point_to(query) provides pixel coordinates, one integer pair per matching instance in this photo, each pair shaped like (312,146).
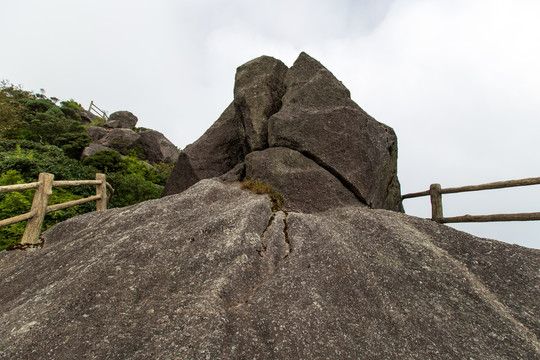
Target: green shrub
(106,161)
(159,173)
(71,109)
(132,165)
(132,189)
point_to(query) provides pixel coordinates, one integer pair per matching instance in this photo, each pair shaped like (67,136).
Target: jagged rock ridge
(305,109)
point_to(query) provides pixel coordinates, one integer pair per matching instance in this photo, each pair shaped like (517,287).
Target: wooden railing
(93,108)
(40,205)
(435,192)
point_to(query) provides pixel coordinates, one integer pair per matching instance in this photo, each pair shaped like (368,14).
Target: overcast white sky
(457,80)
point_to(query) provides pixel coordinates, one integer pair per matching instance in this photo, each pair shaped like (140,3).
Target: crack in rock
(264,246)
(286,235)
(346,183)
(275,248)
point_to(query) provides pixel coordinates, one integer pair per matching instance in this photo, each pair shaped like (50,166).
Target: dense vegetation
(38,135)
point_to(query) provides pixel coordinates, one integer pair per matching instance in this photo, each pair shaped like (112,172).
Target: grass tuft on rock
(257,187)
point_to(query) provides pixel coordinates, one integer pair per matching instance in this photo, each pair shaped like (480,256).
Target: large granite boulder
(305,185)
(157,147)
(319,119)
(122,119)
(306,109)
(215,273)
(120,140)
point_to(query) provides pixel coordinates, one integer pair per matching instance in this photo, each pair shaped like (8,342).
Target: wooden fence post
(101,190)
(436,202)
(39,208)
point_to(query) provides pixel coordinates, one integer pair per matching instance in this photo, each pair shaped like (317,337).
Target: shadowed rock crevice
(286,235)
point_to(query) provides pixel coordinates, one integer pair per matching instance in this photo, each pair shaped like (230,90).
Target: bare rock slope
(214,273)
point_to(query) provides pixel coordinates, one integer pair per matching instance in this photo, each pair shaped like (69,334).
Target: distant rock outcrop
(118,135)
(305,109)
(215,273)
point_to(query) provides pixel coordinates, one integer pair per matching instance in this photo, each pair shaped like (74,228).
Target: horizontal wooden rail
(415,195)
(494,217)
(62,206)
(493,185)
(76,183)
(488,186)
(17,219)
(40,205)
(18,187)
(435,192)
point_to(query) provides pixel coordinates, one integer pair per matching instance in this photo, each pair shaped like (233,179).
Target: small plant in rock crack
(257,187)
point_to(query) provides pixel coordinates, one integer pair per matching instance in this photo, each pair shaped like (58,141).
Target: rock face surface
(305,185)
(122,119)
(214,273)
(305,109)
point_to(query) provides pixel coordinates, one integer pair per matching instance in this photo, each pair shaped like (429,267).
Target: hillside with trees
(42,134)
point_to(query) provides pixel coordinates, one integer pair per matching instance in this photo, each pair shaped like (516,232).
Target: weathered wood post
(436,202)
(101,190)
(39,208)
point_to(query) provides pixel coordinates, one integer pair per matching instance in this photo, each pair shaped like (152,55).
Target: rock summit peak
(299,116)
